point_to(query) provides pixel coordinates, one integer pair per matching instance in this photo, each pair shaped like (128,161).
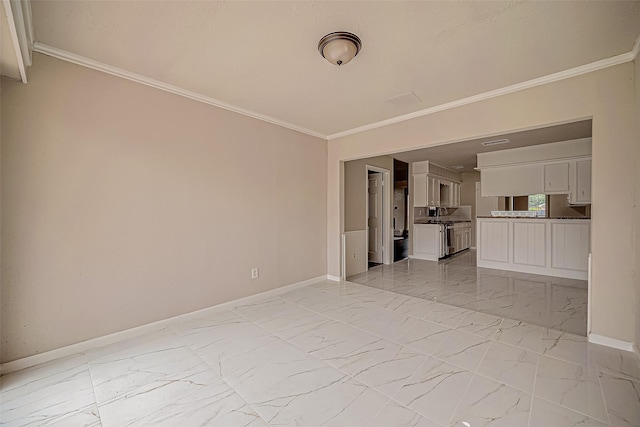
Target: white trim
(562,75)
(99,66)
(333,278)
(84,346)
(611,342)
(636,48)
(589,294)
(14,40)
(24,29)
(387,233)
(343,270)
(138,78)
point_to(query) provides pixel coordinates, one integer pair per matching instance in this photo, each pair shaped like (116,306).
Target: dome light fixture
(340,47)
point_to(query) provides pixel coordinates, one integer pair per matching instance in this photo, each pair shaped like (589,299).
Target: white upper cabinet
(419,190)
(427,242)
(544,168)
(454,194)
(433,191)
(580,182)
(434,185)
(520,180)
(556,178)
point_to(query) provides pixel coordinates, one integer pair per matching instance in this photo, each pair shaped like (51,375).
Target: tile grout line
(427,356)
(347,324)
(604,401)
(589,417)
(221,377)
(322,361)
(390,399)
(533,390)
(539,352)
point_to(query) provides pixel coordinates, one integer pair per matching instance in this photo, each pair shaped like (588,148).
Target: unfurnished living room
(318,213)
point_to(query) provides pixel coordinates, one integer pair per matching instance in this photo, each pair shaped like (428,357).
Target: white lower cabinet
(466,238)
(571,243)
(554,247)
(462,238)
(529,243)
(427,241)
(493,237)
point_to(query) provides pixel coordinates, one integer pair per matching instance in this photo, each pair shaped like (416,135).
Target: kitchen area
(441,226)
(499,225)
(532,210)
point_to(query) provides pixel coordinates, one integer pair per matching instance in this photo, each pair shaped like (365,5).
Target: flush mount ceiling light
(339,47)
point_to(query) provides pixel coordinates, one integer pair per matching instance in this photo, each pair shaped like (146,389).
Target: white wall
(124,205)
(608,97)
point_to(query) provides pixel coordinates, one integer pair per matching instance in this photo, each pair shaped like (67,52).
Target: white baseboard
(334,278)
(84,346)
(612,342)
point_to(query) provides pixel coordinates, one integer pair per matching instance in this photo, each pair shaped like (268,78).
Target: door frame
(387,239)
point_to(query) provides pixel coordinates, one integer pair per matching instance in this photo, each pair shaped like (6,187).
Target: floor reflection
(552,302)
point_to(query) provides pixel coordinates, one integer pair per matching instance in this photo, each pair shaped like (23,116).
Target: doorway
(379,248)
(375,218)
(400,210)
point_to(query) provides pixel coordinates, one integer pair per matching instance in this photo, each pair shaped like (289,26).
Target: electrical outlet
(254,273)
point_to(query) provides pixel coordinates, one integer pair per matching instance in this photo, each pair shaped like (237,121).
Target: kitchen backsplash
(462,213)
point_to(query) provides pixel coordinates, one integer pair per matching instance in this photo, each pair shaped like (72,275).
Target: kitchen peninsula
(550,246)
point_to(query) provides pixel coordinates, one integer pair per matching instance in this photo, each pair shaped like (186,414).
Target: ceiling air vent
(404,100)
(496,142)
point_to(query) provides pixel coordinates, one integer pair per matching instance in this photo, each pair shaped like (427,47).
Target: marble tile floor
(334,354)
(547,301)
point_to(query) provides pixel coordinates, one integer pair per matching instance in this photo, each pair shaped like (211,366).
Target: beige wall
(468,198)
(124,205)
(355,190)
(559,206)
(605,95)
(637,206)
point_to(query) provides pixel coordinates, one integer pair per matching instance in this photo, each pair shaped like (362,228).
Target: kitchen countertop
(530,217)
(448,221)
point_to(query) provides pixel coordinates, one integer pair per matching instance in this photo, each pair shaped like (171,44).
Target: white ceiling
(262,56)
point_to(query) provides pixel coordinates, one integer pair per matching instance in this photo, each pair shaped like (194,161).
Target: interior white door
(374,222)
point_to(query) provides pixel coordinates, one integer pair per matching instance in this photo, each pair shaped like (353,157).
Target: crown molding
(138,78)
(17,30)
(636,48)
(562,75)
(115,71)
